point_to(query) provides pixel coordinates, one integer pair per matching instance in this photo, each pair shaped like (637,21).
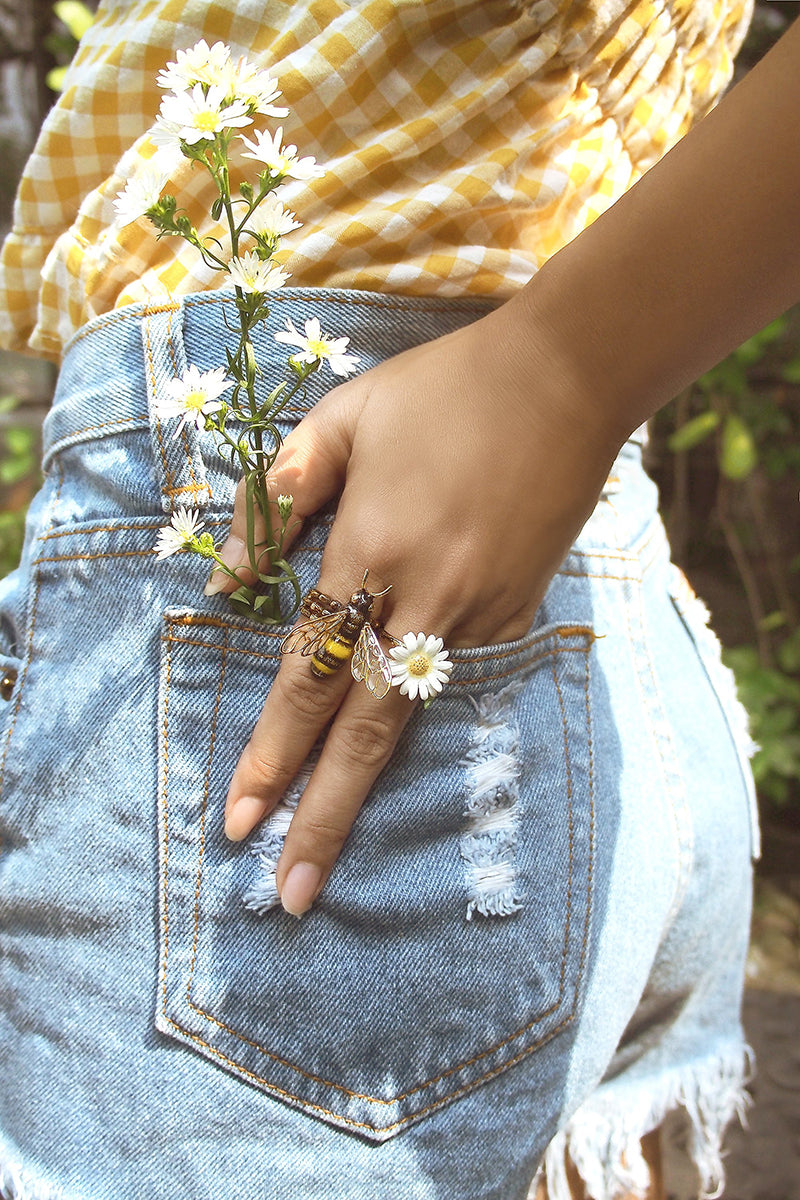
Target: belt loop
(179,462)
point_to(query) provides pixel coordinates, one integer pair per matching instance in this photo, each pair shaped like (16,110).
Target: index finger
(297,709)
(295,712)
(358,746)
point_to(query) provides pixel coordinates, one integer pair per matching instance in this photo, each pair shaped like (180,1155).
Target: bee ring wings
(369,663)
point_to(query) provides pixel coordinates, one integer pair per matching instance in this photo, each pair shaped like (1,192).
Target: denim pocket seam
(151,369)
(551,653)
(144,523)
(101,554)
(487,653)
(517,669)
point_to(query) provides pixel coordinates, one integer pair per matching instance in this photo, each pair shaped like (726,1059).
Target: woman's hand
(466,467)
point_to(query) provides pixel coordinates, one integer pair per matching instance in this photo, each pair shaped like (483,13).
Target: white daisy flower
(253,274)
(315,346)
(421,666)
(200,64)
(166,136)
(281,160)
(201,113)
(140,193)
(255,88)
(193,397)
(271,219)
(178,535)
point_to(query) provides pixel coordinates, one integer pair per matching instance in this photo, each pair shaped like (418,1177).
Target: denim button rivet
(7,684)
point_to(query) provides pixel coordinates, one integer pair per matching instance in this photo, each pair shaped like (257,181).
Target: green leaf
(12,470)
(728,378)
(742,660)
(694,431)
(19,440)
(791,371)
(738,454)
(777,724)
(753,350)
(783,756)
(789,653)
(773,620)
(55,78)
(76,16)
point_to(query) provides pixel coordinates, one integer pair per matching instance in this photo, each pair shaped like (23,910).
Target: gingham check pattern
(464,141)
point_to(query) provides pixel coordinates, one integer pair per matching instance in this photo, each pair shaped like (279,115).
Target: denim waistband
(100,392)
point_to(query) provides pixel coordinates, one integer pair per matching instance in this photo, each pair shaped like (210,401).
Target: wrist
(575,376)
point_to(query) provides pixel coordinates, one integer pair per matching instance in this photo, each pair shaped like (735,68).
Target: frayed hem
(603,1138)
(18,1184)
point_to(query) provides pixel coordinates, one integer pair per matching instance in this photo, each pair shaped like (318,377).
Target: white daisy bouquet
(209,100)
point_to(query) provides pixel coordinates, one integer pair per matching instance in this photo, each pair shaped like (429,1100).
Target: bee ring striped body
(335,633)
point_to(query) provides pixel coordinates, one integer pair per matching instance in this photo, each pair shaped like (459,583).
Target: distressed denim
(534,937)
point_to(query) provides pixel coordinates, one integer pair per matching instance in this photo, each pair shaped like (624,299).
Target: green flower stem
(248,361)
(262,600)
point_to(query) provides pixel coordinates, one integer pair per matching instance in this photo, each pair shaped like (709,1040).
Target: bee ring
(334,633)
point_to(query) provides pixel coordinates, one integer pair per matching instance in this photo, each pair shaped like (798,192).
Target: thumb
(310,467)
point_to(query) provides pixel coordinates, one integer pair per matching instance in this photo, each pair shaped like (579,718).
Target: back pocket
(450,939)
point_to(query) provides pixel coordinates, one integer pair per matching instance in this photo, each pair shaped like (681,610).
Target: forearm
(701,253)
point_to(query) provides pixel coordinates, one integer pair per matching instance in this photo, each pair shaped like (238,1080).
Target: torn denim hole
(489,841)
(603,1138)
(262,895)
(18,1184)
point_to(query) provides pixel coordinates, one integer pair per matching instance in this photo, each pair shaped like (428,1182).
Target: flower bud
(285,506)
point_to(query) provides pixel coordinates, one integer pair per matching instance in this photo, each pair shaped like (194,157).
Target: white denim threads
(489,843)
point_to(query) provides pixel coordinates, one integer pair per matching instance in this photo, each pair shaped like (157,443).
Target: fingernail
(245,814)
(233,554)
(300,887)
(216,582)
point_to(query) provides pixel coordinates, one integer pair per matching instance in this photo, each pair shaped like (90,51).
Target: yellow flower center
(318,347)
(207,121)
(419,665)
(195,400)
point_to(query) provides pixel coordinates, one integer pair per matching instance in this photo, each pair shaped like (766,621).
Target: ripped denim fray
(603,1138)
(19,1184)
(262,895)
(489,840)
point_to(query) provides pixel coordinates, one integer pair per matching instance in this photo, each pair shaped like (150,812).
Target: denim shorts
(534,939)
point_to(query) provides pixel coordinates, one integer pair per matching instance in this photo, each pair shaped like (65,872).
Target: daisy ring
(420,666)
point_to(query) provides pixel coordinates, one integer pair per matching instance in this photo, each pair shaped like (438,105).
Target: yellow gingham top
(463,141)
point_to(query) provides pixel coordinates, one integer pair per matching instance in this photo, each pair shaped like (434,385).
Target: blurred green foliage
(19,478)
(771,696)
(61,43)
(740,424)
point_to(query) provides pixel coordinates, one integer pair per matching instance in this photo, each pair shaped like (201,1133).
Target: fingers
(310,468)
(296,710)
(357,747)
(233,550)
(358,744)
(356,750)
